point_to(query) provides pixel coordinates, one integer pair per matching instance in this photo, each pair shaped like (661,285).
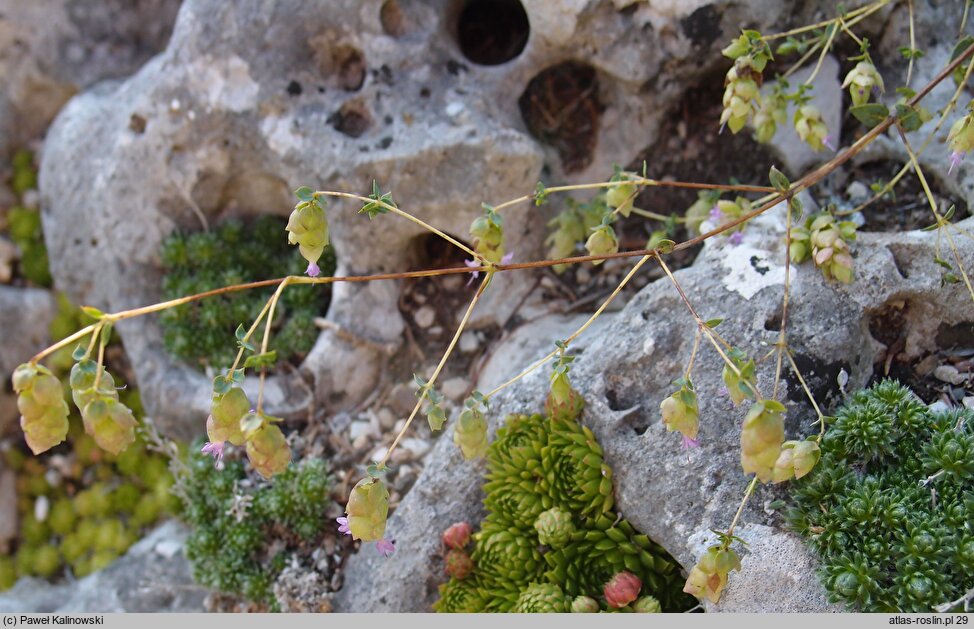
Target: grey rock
(153,576)
(337,98)
(49,49)
(626,371)
(25,320)
(9,525)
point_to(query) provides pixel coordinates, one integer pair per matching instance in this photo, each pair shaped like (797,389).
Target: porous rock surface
(250,100)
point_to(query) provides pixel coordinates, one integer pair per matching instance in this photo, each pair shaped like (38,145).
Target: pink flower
(827,141)
(472,264)
(214,449)
(715,214)
(385,547)
(736,238)
(343,525)
(313,270)
(956,158)
(507,257)
(689,443)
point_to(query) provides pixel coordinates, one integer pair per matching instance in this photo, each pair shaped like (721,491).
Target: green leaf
(779,180)
(713,323)
(79,353)
(304,193)
(237,377)
(92,312)
(106,335)
(665,245)
(870,114)
(796,208)
(909,117)
(540,194)
(374,471)
(221,386)
(261,361)
(240,332)
(943,263)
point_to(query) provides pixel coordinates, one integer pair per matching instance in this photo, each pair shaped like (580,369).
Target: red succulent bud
(458,564)
(457,536)
(622,589)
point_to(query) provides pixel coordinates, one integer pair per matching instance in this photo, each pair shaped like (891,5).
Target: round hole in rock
(492,32)
(560,107)
(352,119)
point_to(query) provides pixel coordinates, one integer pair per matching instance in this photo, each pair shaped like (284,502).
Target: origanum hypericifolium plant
(766,453)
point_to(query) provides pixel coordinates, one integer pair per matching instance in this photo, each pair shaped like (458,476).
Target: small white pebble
(175,105)
(454,109)
(42,506)
(969,402)
(167,548)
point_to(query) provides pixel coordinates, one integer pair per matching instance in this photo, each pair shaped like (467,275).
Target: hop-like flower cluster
(889,506)
(771,115)
(602,241)
(761,438)
(368,509)
(740,382)
(961,138)
(620,197)
(811,128)
(709,577)
(742,93)
(231,420)
(307,227)
(826,241)
(563,402)
(550,521)
(572,225)
(861,81)
(43,411)
(680,412)
(797,459)
(488,235)
(470,430)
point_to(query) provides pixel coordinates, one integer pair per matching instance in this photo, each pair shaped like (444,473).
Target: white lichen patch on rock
(223,83)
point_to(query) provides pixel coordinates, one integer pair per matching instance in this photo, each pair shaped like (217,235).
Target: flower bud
(585,605)
(307,227)
(268,450)
(761,438)
(602,242)
(861,81)
(680,412)
(226,411)
(110,423)
(771,114)
(367,509)
(810,127)
(457,536)
(647,605)
(554,527)
(470,433)
(458,564)
(709,577)
(622,589)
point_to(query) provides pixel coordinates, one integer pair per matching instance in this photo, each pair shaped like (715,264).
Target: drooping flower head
(214,449)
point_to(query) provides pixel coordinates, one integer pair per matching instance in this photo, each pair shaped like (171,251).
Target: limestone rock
(25,319)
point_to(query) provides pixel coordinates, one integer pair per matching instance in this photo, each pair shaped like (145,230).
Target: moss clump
(243,531)
(546,478)
(890,507)
(201,333)
(24,223)
(97,505)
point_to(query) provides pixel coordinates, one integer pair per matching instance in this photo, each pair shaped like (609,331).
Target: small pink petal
(385,547)
(506,259)
(715,214)
(214,449)
(736,238)
(689,443)
(313,270)
(955,158)
(828,142)
(343,525)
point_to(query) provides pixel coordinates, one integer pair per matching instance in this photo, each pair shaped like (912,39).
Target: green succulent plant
(550,534)
(98,506)
(890,507)
(201,333)
(237,531)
